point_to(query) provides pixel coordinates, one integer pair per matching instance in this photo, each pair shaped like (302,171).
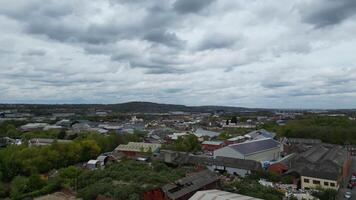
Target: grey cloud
(217,42)
(173,90)
(190,6)
(323,13)
(276,85)
(164,37)
(35,52)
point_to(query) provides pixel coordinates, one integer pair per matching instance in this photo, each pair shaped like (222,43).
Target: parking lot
(344,185)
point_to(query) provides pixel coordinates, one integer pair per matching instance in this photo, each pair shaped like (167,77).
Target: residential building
(258,150)
(219,195)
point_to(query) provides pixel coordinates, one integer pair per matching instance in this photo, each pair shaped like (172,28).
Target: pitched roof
(138,147)
(213,142)
(260,134)
(219,195)
(322,161)
(255,146)
(189,184)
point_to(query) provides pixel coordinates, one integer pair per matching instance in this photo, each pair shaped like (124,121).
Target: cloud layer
(261,53)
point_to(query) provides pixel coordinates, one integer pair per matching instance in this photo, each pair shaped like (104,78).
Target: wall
(228,152)
(322,181)
(278,168)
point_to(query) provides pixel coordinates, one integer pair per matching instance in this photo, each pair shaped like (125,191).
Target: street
(343,187)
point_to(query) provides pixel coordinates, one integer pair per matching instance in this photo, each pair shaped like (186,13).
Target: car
(348,195)
(350,185)
(354,174)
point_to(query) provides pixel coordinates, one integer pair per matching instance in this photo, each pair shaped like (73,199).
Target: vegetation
(125,180)
(189,143)
(325,194)
(24,160)
(250,187)
(336,130)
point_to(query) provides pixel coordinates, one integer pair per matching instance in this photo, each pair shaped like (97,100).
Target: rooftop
(252,147)
(219,195)
(138,147)
(189,184)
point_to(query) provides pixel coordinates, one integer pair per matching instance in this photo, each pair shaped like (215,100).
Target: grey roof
(255,146)
(219,195)
(183,158)
(261,133)
(189,184)
(322,161)
(203,132)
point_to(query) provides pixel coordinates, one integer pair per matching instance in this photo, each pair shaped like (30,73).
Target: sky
(249,53)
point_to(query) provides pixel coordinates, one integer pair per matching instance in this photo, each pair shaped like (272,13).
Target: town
(173,152)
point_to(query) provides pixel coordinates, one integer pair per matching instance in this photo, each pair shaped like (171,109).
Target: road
(344,185)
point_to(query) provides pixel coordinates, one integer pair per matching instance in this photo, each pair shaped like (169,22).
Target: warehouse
(258,150)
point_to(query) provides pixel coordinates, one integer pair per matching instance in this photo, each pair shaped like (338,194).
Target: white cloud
(262,53)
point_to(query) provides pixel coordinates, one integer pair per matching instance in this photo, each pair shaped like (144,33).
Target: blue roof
(255,146)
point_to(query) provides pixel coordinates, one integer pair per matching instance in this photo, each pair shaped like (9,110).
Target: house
(45,141)
(212,145)
(134,149)
(219,195)
(258,150)
(324,166)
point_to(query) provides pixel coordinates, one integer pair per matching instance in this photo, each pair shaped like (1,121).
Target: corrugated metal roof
(255,146)
(189,184)
(220,195)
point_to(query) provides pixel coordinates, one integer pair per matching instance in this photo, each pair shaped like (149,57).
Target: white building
(258,150)
(219,195)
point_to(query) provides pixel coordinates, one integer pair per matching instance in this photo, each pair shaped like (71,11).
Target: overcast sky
(252,53)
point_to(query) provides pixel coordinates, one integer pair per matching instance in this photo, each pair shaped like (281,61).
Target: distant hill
(147,107)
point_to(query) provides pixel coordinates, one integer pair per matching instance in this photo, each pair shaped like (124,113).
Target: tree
(234,120)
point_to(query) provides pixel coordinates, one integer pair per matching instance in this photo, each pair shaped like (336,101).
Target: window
(316,182)
(332,184)
(306,180)
(326,183)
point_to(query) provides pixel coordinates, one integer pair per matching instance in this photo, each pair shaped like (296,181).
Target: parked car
(350,185)
(348,195)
